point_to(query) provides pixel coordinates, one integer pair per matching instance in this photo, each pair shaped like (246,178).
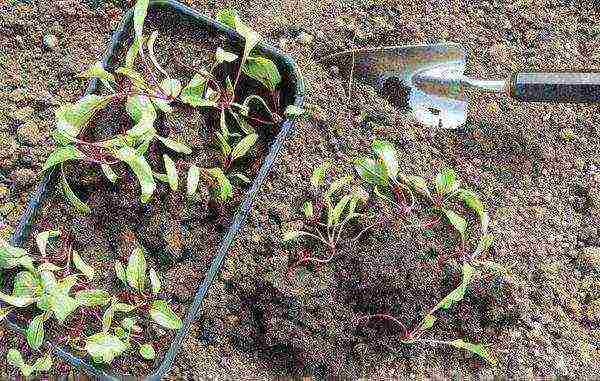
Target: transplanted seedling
(398,190)
(417,334)
(147,93)
(328,215)
(59,285)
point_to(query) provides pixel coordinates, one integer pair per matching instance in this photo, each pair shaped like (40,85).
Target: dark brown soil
(542,191)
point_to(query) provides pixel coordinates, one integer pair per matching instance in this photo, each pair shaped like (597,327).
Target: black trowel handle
(560,87)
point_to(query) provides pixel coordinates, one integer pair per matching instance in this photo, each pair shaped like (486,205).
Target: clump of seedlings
(328,215)
(149,91)
(402,192)
(57,288)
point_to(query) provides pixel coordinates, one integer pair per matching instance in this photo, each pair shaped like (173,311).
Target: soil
(536,166)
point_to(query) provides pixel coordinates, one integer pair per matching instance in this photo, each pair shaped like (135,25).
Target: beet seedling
(64,291)
(417,333)
(328,216)
(147,92)
(398,190)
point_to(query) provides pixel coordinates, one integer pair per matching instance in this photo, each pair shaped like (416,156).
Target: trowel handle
(560,87)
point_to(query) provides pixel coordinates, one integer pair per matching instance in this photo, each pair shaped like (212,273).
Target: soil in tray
(179,234)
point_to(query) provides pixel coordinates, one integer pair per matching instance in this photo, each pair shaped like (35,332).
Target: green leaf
(171,169)
(35,331)
(419,185)
(143,113)
(193,93)
(171,87)
(243,123)
(154,281)
(120,272)
(459,223)
(4,313)
(47,266)
(128,323)
(70,118)
(478,349)
(338,210)
(107,318)
(137,80)
(224,186)
(98,71)
(26,284)
(142,170)
(11,257)
(485,243)
(104,346)
(371,171)
(133,52)
(458,293)
(227,16)
(387,154)
(223,56)
(14,358)
(71,197)
(109,173)
(83,267)
(293,111)
(139,15)
(242,177)
(175,146)
(446,182)
(262,70)
(147,352)
(150,45)
(161,313)
(43,364)
(293,235)
(243,146)
(61,155)
(308,209)
(472,201)
(61,304)
(42,240)
(193,179)
(136,270)
(92,298)
(145,139)
(260,101)
(337,185)
(427,322)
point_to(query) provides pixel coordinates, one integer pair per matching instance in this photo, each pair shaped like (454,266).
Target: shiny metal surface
(434,73)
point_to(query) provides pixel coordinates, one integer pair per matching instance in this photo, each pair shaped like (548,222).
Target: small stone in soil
(50,42)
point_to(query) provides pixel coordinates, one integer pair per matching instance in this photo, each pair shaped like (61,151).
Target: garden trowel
(438,90)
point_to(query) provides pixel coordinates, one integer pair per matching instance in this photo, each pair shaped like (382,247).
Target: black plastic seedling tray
(293,91)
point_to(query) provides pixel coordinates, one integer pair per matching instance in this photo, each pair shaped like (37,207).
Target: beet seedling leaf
(225,190)
(224,56)
(136,270)
(162,313)
(35,331)
(17,301)
(371,171)
(105,347)
(171,87)
(11,257)
(242,148)
(337,212)
(42,240)
(83,267)
(172,176)
(337,185)
(137,80)
(143,113)
(71,197)
(174,145)
(141,169)
(120,272)
(318,176)
(26,284)
(139,15)
(293,111)
(14,358)
(419,185)
(458,293)
(98,71)
(293,235)
(133,52)
(262,70)
(92,298)
(154,281)
(388,156)
(109,173)
(147,352)
(446,182)
(308,210)
(71,117)
(458,222)
(478,349)
(43,364)
(193,93)
(193,179)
